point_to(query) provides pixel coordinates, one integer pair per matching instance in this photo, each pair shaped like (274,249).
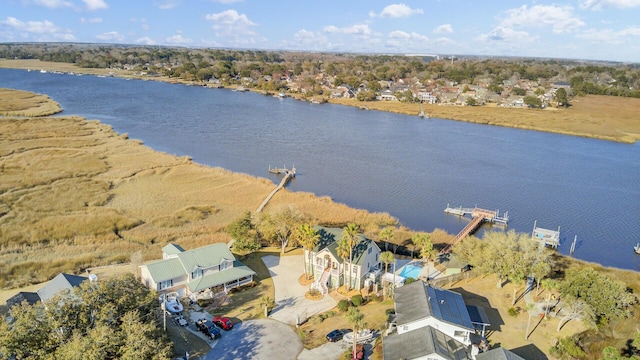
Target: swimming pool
(411,270)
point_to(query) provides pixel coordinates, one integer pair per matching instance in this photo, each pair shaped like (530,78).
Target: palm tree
(423,240)
(343,251)
(387,258)
(349,235)
(386,234)
(356,319)
(308,237)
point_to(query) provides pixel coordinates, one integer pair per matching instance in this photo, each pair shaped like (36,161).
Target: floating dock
(478,216)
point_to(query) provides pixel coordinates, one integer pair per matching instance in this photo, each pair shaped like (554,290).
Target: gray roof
(17,299)
(329,238)
(422,342)
(498,354)
(61,282)
(416,301)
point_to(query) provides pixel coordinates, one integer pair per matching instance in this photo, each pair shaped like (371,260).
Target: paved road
(259,340)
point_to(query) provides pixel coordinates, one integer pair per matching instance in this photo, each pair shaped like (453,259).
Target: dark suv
(208,328)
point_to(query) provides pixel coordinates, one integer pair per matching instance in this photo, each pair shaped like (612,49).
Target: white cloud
(112,36)
(227,1)
(236,28)
(414,36)
(308,40)
(561,19)
(91,21)
(167,4)
(611,36)
(145,41)
(396,11)
(54,4)
(601,4)
(95,4)
(178,39)
(358,29)
(504,34)
(38,30)
(443,29)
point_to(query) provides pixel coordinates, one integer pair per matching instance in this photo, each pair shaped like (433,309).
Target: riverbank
(599,117)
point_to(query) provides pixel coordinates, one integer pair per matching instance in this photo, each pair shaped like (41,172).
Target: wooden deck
(478,216)
(288,175)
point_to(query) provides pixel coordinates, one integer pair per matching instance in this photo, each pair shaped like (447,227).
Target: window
(377,260)
(165,284)
(197,273)
(226,264)
(369,251)
(354,269)
(459,333)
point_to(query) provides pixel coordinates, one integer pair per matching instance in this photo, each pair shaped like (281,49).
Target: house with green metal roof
(330,270)
(193,272)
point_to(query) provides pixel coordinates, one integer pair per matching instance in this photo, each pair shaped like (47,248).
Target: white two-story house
(192,272)
(329,268)
(436,324)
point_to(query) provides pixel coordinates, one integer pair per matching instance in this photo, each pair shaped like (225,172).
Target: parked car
(208,328)
(223,322)
(358,354)
(335,335)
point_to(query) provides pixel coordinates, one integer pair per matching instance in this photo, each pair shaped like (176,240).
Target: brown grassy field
(601,117)
(24,103)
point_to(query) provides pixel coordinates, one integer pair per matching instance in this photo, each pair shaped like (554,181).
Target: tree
(519,91)
(532,101)
(243,232)
(471,101)
(308,237)
(561,97)
(606,299)
(349,236)
(278,226)
(386,234)
(356,319)
(423,241)
(343,251)
(113,319)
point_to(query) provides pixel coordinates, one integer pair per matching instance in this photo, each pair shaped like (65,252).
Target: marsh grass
(602,117)
(24,103)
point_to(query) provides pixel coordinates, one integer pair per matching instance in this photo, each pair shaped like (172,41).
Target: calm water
(403,165)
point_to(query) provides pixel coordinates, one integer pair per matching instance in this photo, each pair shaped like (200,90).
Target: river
(382,162)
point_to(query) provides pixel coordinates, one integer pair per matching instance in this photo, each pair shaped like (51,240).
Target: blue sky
(584,29)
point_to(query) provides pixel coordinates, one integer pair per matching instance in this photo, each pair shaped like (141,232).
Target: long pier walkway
(478,216)
(288,175)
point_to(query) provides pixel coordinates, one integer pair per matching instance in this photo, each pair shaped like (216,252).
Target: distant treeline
(270,69)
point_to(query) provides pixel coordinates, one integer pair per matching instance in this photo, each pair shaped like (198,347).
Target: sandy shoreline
(599,117)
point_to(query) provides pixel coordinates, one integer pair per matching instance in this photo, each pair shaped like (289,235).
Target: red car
(223,322)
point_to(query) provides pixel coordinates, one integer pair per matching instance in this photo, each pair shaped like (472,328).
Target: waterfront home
(432,323)
(209,269)
(53,287)
(329,269)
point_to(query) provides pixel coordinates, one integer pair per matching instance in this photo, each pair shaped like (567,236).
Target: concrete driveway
(291,304)
(259,340)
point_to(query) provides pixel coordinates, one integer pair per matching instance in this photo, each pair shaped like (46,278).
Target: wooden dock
(546,237)
(478,216)
(288,175)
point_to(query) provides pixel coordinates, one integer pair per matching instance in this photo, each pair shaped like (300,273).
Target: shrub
(343,305)
(317,319)
(314,293)
(204,302)
(513,311)
(390,311)
(356,300)
(409,280)
(329,314)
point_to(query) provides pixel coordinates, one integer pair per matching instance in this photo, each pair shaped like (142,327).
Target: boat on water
(637,248)
(362,336)
(172,302)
